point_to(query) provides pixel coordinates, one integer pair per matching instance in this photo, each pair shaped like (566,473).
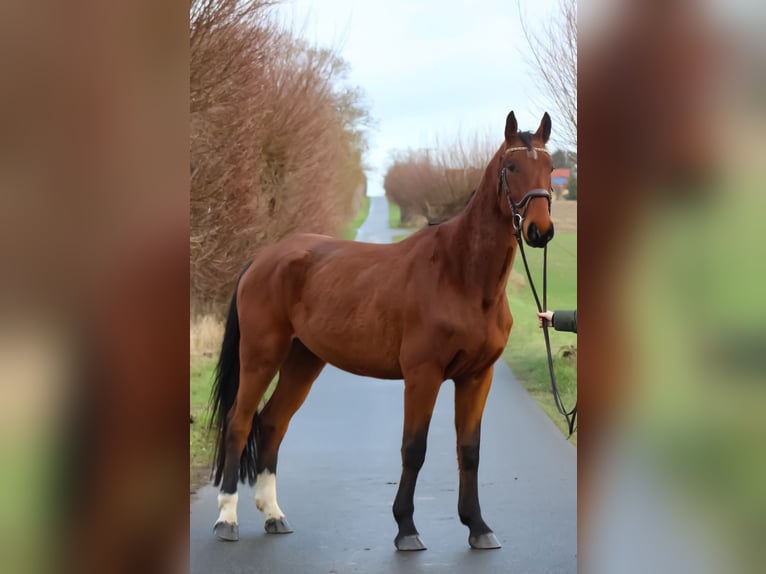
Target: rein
(518,211)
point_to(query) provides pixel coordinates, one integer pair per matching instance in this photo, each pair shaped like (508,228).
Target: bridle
(519,211)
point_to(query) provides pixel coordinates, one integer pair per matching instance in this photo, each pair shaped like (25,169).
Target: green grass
(525,352)
(394,215)
(201,442)
(399,237)
(361,216)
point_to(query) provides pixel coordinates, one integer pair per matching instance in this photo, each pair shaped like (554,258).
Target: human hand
(546,316)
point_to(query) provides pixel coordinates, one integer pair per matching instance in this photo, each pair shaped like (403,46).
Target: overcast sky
(429,68)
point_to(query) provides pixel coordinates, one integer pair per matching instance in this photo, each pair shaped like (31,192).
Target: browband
(530,152)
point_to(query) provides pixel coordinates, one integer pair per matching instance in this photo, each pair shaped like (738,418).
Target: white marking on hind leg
(227,505)
(266,495)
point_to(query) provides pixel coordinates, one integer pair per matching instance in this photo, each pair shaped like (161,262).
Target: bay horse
(430,308)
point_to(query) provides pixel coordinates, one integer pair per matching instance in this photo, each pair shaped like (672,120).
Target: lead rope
(570,416)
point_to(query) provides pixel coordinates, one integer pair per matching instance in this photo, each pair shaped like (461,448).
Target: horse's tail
(222,398)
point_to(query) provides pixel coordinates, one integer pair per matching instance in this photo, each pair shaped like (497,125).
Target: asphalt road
(338,472)
(375,228)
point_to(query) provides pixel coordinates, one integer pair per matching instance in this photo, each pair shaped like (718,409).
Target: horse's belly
(375,369)
(356,354)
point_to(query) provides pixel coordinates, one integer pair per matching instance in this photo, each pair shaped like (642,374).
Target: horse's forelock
(526,139)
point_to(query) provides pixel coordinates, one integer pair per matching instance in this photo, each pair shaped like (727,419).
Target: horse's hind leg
(470,398)
(260,362)
(297,374)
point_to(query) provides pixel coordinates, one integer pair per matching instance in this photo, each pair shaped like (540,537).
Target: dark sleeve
(565,321)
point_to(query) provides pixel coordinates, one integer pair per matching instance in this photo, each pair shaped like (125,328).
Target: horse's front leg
(470,398)
(421,387)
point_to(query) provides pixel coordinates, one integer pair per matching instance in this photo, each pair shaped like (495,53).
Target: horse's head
(524,183)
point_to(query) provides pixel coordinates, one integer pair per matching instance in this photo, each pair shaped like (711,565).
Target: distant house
(560,181)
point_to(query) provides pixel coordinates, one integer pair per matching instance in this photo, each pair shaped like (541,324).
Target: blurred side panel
(94,286)
(672,339)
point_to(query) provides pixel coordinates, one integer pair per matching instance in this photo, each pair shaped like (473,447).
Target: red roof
(561,172)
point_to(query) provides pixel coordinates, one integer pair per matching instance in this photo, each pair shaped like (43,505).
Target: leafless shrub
(276,141)
(436,183)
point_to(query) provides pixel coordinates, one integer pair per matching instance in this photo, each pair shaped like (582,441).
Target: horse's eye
(511,167)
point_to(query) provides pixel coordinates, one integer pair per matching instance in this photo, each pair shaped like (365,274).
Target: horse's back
(342,299)
(335,260)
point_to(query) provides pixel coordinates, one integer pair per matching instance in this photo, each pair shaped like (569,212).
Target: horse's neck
(483,245)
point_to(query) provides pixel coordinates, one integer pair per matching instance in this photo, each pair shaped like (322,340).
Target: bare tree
(553,58)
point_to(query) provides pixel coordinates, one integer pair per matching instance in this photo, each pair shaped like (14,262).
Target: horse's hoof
(409,543)
(226,531)
(486,541)
(277,526)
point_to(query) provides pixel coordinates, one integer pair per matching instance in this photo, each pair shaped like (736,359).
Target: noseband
(519,210)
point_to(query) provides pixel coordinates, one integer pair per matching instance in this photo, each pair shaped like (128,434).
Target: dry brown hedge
(434,184)
(276,141)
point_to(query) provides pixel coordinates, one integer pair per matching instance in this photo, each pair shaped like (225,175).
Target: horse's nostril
(533,233)
(537,239)
(548,234)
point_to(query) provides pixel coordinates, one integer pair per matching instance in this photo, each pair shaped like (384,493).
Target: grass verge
(200,440)
(354,226)
(525,352)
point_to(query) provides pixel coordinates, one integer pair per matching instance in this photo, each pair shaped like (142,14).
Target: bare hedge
(435,184)
(276,141)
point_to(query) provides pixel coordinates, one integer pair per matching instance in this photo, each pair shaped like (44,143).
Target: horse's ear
(511,127)
(544,131)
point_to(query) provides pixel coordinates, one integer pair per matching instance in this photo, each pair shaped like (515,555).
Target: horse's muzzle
(537,239)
